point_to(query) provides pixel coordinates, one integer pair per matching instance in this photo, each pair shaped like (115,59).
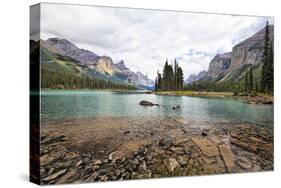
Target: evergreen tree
(246,81)
(156,84)
(179,78)
(270,70)
(251,80)
(165,76)
(215,87)
(170,78)
(159,79)
(256,86)
(176,75)
(58,80)
(265,58)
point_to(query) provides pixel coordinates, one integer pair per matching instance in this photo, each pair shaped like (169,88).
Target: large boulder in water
(147,103)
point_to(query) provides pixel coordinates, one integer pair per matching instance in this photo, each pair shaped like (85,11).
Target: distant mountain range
(64,56)
(232,66)
(195,77)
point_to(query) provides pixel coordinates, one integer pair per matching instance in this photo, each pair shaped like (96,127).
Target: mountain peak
(60,41)
(67,48)
(258,37)
(121,65)
(141,74)
(122,62)
(193,77)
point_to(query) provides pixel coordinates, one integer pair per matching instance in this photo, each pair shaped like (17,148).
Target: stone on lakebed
(147,103)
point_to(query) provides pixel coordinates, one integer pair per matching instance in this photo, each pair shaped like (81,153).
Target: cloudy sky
(145,38)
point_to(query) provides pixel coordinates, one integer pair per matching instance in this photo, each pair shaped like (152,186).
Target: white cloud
(145,38)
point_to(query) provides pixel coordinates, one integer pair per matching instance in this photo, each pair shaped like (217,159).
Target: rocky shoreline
(103,149)
(250,99)
(260,99)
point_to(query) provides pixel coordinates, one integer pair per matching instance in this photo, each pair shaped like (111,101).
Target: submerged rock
(176,107)
(147,103)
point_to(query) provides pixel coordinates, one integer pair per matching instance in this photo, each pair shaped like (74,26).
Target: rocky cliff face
(231,66)
(249,51)
(218,66)
(104,65)
(66,48)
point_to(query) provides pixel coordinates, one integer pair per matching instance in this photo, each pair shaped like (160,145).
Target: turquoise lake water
(65,104)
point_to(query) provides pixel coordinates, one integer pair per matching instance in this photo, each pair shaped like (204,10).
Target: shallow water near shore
(75,104)
(89,136)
